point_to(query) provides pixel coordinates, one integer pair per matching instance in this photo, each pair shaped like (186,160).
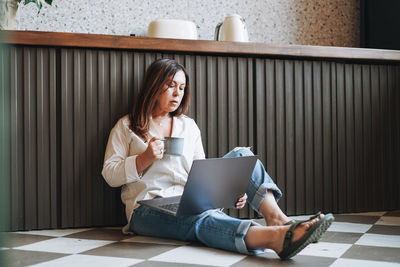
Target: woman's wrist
(141,162)
(139,165)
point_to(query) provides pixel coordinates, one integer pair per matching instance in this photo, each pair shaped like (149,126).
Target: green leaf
(29,1)
(38,4)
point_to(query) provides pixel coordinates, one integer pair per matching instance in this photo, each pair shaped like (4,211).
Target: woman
(135,160)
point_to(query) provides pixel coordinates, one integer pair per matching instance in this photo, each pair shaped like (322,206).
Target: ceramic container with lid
(172,28)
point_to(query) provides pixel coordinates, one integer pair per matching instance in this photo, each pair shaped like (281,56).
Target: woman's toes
(309,224)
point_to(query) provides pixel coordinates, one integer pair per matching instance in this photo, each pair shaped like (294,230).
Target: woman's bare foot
(272,237)
(298,233)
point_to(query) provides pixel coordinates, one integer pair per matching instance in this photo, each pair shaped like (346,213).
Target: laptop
(211,184)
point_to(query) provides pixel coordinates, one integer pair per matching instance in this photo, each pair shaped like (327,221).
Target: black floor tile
(11,240)
(271,259)
(340,237)
(394,213)
(130,250)
(384,230)
(373,253)
(19,258)
(100,234)
(356,218)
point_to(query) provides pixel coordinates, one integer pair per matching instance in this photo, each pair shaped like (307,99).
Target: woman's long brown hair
(159,73)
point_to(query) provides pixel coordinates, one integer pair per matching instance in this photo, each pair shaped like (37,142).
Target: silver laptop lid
(216,183)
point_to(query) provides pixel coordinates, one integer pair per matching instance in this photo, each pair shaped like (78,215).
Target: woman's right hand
(155,149)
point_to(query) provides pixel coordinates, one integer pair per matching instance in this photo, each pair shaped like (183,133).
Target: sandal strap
(316,215)
(290,222)
(289,234)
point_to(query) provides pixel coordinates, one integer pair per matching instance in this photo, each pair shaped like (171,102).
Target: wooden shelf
(196,46)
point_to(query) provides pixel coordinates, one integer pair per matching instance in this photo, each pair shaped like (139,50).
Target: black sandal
(301,221)
(290,248)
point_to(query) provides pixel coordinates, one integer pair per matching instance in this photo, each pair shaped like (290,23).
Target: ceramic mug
(173,146)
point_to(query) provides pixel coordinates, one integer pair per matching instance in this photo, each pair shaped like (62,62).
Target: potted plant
(8,11)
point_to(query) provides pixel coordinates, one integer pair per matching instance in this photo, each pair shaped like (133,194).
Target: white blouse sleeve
(119,168)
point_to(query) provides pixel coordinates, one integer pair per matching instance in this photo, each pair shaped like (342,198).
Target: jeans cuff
(239,239)
(262,192)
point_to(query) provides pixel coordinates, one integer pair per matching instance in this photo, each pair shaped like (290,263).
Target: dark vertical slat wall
(366,107)
(17,135)
(334,134)
(317,134)
(327,132)
(299,136)
(334,127)
(46,132)
(396,134)
(28,134)
(326,125)
(6,159)
(92,101)
(374,149)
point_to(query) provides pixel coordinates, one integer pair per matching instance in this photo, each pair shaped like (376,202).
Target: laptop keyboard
(172,207)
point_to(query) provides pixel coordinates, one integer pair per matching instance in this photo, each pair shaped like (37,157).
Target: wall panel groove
(7,158)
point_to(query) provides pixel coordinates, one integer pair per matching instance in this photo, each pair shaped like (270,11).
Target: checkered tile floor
(363,239)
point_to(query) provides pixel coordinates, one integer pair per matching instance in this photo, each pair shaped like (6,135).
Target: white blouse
(164,178)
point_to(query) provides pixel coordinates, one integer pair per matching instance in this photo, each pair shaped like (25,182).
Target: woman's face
(172,94)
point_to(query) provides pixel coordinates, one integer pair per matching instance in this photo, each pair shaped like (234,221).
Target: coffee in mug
(173,146)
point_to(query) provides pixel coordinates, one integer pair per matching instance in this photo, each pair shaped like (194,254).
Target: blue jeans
(213,228)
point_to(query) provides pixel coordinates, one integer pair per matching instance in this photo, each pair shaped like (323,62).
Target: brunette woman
(135,160)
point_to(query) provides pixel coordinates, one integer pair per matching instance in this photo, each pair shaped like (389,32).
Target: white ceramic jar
(172,28)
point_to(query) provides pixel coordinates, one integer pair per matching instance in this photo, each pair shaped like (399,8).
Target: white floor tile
(325,249)
(65,245)
(391,241)
(374,213)
(199,255)
(349,227)
(54,233)
(362,263)
(88,260)
(153,240)
(387,220)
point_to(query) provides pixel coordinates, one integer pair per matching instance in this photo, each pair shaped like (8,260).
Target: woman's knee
(239,152)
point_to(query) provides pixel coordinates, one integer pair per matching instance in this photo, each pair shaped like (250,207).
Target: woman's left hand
(241,201)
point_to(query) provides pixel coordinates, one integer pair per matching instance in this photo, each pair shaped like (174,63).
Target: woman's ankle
(276,219)
(261,237)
